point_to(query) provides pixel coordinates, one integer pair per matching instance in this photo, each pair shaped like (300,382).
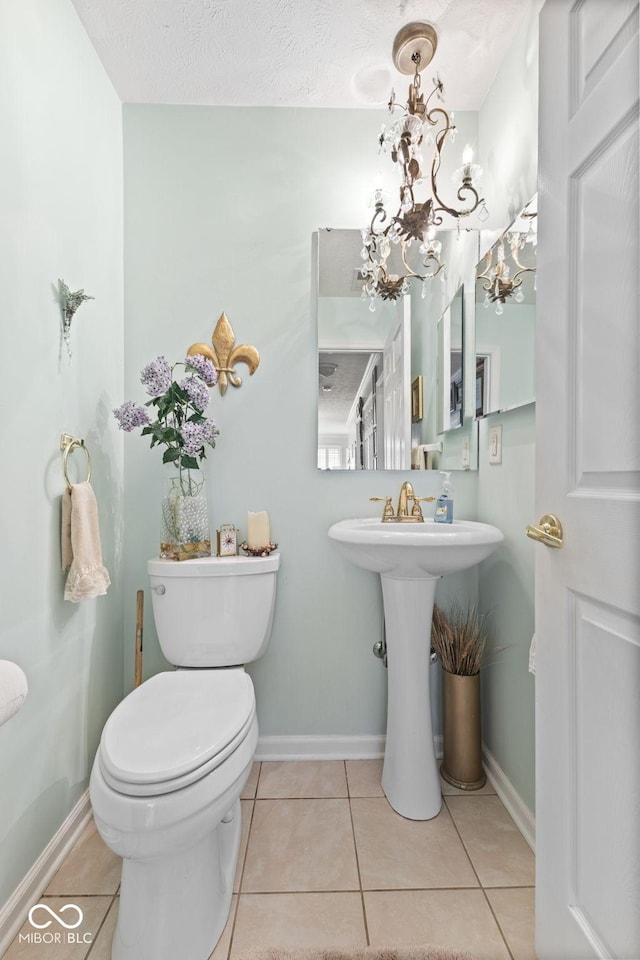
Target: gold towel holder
(67,444)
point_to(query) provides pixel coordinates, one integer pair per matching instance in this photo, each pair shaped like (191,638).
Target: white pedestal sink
(410,559)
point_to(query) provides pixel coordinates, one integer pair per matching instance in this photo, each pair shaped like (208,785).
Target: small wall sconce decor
(224,354)
(423,126)
(69,303)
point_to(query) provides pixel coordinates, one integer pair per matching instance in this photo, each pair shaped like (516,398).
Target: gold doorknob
(548,531)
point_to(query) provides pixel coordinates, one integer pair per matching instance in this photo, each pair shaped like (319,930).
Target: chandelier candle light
(421,125)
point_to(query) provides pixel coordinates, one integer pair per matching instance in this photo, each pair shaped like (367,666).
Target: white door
(397,391)
(588,475)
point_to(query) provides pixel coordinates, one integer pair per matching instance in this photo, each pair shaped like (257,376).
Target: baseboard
(14,913)
(326,747)
(320,748)
(519,812)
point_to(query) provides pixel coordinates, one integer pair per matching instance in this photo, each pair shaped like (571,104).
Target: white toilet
(175,754)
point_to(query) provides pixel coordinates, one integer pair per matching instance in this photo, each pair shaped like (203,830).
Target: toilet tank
(215,611)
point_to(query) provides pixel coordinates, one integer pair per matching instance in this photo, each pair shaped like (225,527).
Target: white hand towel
(422,455)
(13,689)
(81,549)
(417,458)
(65,533)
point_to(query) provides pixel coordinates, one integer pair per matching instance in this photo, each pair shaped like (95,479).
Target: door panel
(605,340)
(600,31)
(604,647)
(588,475)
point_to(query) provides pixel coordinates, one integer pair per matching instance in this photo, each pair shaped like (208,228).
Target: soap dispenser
(444,503)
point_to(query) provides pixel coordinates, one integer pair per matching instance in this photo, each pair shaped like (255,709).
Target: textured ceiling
(334,404)
(302,53)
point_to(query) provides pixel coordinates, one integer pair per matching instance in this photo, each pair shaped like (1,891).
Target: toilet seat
(174,729)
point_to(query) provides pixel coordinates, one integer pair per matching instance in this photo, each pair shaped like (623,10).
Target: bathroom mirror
(364,366)
(367,405)
(451,364)
(505,318)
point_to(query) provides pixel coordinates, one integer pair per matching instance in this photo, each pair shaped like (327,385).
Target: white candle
(258,529)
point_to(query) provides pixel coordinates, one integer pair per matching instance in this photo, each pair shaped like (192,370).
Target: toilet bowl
(175,754)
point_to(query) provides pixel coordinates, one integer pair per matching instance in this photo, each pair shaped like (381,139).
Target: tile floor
(325,861)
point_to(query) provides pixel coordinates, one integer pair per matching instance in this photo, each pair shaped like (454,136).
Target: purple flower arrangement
(180,423)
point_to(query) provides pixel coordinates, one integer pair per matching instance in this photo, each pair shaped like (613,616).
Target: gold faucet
(402,514)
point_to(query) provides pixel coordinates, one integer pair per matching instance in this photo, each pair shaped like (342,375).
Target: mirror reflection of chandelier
(423,126)
(503,279)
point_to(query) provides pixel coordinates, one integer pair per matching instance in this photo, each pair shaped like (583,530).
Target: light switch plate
(466,455)
(495,444)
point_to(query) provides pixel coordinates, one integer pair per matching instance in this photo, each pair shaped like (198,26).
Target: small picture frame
(416,400)
(227,537)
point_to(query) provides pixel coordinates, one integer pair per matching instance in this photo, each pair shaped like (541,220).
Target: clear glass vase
(185,517)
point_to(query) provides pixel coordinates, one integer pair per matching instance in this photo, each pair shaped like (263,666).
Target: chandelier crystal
(424,127)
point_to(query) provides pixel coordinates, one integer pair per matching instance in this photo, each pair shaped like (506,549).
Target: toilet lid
(175,723)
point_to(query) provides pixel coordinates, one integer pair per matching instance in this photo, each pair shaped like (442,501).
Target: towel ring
(67,443)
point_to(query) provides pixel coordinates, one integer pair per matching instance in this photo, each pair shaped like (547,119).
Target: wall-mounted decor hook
(70,300)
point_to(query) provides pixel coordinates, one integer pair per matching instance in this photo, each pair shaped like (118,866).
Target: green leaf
(177,394)
(171,454)
(165,407)
(189,463)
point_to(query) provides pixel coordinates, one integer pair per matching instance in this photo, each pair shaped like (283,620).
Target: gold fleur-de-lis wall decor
(224,354)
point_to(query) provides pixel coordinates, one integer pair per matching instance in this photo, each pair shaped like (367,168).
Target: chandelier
(423,125)
(503,279)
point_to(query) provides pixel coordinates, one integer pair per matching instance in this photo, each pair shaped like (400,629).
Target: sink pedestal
(410,777)
(411,558)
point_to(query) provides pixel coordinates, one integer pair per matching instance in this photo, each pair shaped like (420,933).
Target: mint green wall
(513,334)
(346,321)
(508,128)
(506,589)
(508,154)
(220,206)
(61,203)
